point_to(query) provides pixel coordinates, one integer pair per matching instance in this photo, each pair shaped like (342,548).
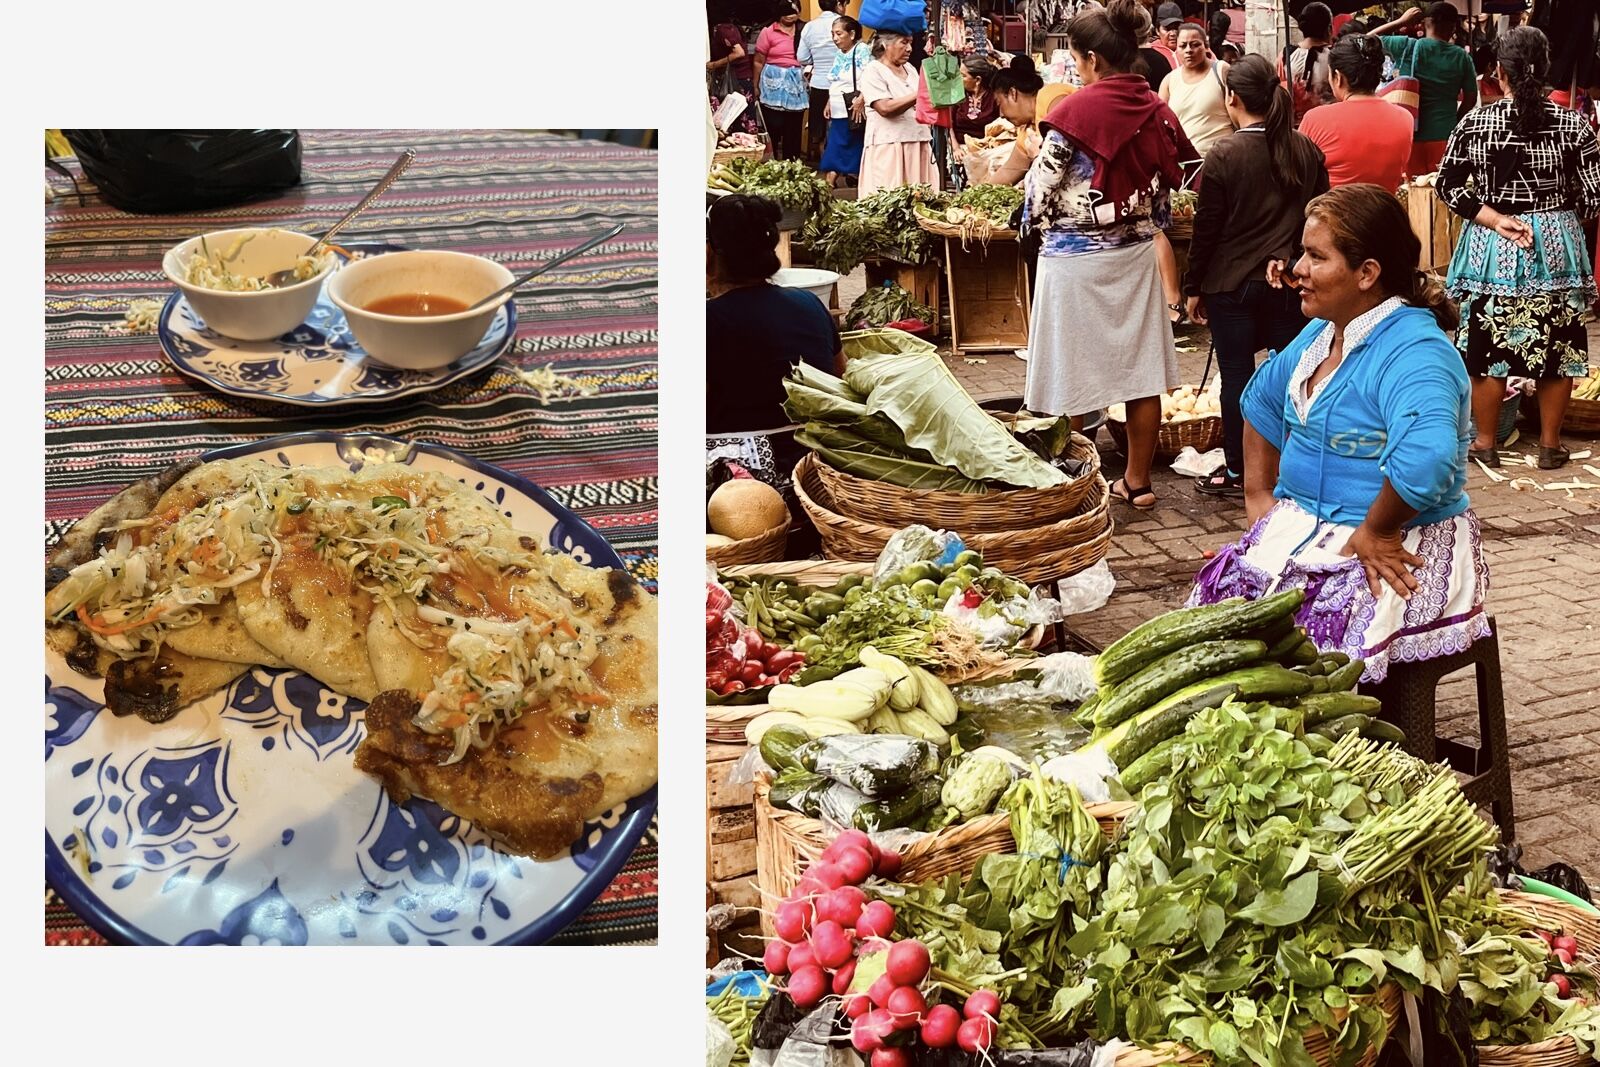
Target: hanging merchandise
(893,16)
(942,71)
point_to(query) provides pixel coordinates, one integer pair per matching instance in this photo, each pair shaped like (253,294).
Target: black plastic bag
(1506,862)
(1080,1054)
(156,171)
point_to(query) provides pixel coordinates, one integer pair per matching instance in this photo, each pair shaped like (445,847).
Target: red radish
(846,903)
(879,991)
(850,839)
(1547,937)
(888,863)
(982,1004)
(1563,985)
(807,986)
(800,956)
(1564,956)
(906,1006)
(856,865)
(828,874)
(975,1035)
(856,1005)
(830,945)
(890,1057)
(810,886)
(843,977)
(908,962)
(1567,942)
(792,920)
(877,920)
(775,958)
(940,1025)
(868,1032)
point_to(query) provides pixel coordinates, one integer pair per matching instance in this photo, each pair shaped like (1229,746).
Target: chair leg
(1492,735)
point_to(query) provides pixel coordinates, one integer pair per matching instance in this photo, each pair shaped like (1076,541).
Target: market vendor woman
(1356,450)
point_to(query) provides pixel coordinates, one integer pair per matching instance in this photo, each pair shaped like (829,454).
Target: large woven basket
(1202,435)
(787,841)
(1036,554)
(1583,416)
(949,229)
(728,155)
(762,548)
(894,505)
(1584,927)
(1318,1043)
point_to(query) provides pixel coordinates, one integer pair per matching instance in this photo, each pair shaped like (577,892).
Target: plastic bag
(155,171)
(878,765)
(808,1041)
(1003,624)
(1087,590)
(719,1042)
(1059,678)
(894,16)
(1087,770)
(915,543)
(1196,464)
(1085,1053)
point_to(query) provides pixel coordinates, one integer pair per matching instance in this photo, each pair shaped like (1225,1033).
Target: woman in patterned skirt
(1524,173)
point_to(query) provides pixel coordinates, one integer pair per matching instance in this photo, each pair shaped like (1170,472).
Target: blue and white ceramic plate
(317,364)
(242,820)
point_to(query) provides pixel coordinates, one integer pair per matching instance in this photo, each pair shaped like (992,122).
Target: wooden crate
(731,849)
(922,282)
(990,296)
(1435,225)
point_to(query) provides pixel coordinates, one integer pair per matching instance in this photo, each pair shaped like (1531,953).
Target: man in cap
(1169,16)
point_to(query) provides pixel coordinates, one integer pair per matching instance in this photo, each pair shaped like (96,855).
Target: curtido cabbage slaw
(162,569)
(210,270)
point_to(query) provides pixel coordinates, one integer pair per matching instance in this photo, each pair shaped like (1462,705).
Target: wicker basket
(949,229)
(1318,1044)
(1202,435)
(788,840)
(1037,554)
(893,505)
(728,155)
(1582,925)
(1583,416)
(763,548)
(1181,227)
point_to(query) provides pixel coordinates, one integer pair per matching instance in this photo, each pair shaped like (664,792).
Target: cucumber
(1336,658)
(1171,673)
(1334,729)
(1286,644)
(900,810)
(798,790)
(1346,677)
(878,765)
(1145,644)
(1276,631)
(1150,766)
(1320,707)
(778,746)
(1315,669)
(1083,714)
(1126,743)
(1380,730)
(1319,683)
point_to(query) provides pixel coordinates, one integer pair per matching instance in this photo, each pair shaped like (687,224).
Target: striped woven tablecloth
(116,410)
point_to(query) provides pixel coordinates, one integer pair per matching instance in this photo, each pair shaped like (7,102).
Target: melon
(744,507)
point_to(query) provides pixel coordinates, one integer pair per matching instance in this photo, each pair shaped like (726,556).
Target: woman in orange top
(1363,137)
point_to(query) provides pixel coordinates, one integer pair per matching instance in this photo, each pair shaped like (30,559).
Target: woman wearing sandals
(1524,172)
(1247,223)
(1097,194)
(1355,452)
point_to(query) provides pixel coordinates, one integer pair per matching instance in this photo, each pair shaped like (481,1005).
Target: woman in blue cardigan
(1355,443)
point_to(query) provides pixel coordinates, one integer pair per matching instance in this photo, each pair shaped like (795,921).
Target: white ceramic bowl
(418,342)
(249,316)
(819,283)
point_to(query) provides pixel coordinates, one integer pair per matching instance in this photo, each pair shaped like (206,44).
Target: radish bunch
(832,939)
(1563,950)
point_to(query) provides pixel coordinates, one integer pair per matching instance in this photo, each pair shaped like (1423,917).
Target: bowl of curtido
(223,276)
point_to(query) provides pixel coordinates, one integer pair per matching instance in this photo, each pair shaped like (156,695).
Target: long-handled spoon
(278,279)
(541,268)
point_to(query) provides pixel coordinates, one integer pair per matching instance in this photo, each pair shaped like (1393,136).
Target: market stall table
(116,410)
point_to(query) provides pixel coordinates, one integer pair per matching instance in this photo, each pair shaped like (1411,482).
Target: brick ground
(1543,551)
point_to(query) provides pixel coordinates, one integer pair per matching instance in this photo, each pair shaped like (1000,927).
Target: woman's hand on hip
(1385,559)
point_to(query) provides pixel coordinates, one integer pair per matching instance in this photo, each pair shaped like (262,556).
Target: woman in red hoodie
(1097,194)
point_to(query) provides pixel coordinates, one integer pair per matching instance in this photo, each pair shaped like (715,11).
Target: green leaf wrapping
(873,465)
(912,386)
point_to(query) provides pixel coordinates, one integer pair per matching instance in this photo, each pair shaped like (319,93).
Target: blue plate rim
(60,876)
(163,332)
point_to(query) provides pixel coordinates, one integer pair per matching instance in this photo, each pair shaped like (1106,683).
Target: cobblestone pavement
(1543,551)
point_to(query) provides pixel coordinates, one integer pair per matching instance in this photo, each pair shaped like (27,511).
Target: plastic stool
(1409,697)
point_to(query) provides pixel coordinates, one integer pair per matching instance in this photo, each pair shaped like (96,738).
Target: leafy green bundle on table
(880,226)
(883,304)
(789,183)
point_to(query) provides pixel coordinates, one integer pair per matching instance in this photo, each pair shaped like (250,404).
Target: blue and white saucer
(317,364)
(242,820)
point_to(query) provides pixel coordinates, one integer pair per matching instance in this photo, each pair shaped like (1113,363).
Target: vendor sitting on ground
(756,332)
(1355,452)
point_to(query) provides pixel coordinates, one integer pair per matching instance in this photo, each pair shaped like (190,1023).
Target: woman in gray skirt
(1096,195)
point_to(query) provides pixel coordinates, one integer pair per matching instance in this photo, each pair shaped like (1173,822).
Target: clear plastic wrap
(877,765)
(1085,1053)
(1088,590)
(915,543)
(1003,624)
(1087,770)
(1059,678)
(719,1042)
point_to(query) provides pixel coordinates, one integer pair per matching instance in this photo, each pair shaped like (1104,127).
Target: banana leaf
(807,404)
(845,436)
(1043,436)
(904,378)
(806,374)
(907,473)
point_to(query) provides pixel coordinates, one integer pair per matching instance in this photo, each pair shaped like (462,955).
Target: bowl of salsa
(414,310)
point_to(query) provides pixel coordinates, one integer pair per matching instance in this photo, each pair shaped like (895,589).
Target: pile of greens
(880,226)
(885,304)
(900,416)
(789,183)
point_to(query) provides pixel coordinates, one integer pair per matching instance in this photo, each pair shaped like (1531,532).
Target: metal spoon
(278,279)
(541,268)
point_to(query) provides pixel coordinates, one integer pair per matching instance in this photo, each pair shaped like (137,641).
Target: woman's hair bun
(1129,18)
